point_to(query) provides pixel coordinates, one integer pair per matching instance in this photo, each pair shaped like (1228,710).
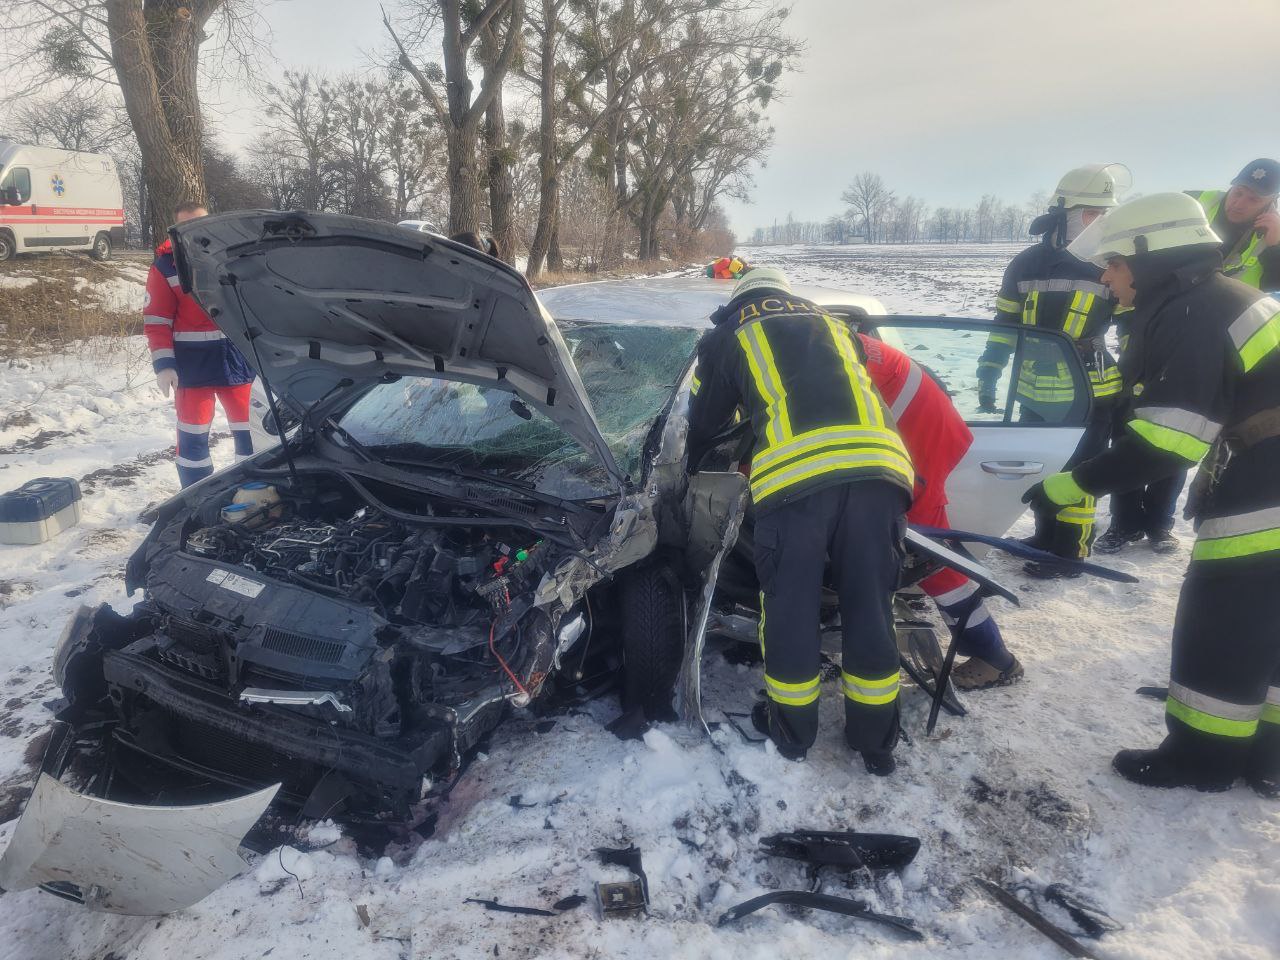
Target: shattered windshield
(629,372)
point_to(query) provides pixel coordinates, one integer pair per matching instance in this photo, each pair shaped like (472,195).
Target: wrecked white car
(478,509)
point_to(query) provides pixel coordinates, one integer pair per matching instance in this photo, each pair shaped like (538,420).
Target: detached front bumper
(124,858)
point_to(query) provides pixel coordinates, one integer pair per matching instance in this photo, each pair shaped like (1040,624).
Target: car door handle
(1012,469)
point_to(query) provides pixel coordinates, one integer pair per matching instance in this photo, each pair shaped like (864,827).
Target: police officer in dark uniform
(1045,286)
(1246,219)
(830,480)
(1206,355)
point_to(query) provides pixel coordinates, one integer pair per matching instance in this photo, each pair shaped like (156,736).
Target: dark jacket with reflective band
(799,375)
(1244,258)
(1203,357)
(1045,286)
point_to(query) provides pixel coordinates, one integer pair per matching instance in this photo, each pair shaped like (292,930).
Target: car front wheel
(653,636)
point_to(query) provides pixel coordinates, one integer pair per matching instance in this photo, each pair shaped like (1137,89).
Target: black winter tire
(653,638)
(101,248)
(7,246)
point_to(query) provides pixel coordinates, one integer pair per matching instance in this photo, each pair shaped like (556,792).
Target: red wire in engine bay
(503,663)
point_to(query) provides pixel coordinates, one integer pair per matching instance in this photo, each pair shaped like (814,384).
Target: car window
(629,373)
(19,177)
(1040,380)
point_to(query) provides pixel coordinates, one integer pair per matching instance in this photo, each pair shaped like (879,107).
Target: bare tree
(867,197)
(75,120)
(499,161)
(302,138)
(413,150)
(150,50)
(461,107)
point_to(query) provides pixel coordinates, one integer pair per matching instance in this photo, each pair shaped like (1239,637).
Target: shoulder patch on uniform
(1137,389)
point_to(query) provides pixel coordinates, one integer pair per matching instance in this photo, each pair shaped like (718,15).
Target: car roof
(675,299)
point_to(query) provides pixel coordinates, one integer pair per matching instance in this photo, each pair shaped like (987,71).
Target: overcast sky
(950,99)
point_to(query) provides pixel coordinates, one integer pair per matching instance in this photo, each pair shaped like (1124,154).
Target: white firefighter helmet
(1160,221)
(762,278)
(1093,185)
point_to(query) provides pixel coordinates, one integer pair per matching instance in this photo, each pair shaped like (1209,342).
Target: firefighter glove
(1059,489)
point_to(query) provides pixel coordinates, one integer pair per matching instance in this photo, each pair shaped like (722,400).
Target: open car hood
(325,305)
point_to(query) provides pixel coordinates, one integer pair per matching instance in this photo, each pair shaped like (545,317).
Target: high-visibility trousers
(1223,710)
(860,527)
(195,417)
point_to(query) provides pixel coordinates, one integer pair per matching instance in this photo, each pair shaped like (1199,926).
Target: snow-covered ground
(1020,789)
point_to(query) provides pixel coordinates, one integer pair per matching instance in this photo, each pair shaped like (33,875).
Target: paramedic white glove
(166,381)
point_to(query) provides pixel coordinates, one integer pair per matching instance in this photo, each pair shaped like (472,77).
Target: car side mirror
(10,197)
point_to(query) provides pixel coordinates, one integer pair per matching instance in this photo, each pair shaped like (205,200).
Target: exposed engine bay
(299,633)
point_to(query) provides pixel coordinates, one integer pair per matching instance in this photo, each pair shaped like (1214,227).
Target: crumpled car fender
(123,858)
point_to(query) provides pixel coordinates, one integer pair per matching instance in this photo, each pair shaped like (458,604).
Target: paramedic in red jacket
(195,361)
(937,438)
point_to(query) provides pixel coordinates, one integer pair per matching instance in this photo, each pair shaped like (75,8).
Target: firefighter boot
(1116,539)
(767,721)
(1161,768)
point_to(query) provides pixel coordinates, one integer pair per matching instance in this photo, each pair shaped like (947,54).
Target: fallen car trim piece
(1034,918)
(293,698)
(124,858)
(822,901)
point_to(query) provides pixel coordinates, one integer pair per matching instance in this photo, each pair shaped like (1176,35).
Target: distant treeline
(876,214)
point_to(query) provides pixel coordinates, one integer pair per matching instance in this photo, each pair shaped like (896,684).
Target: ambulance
(54,199)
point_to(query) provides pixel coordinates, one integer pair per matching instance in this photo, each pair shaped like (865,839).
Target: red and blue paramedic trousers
(956,595)
(195,417)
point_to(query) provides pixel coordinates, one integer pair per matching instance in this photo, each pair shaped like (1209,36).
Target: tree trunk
(502,188)
(548,172)
(555,257)
(464,180)
(156,50)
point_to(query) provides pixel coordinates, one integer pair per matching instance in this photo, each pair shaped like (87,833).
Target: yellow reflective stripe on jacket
(1005,305)
(695,385)
(855,437)
(831,461)
(1030,307)
(792,694)
(1173,441)
(764,371)
(1078,314)
(1240,535)
(1046,387)
(1106,383)
(1211,715)
(869,410)
(1256,332)
(874,691)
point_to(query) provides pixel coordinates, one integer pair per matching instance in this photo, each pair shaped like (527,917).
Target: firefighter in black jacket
(1245,218)
(1206,354)
(1045,286)
(830,478)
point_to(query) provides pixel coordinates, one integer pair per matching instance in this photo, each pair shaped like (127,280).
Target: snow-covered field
(1021,789)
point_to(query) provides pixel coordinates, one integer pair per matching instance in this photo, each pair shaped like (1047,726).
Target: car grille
(218,750)
(303,647)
